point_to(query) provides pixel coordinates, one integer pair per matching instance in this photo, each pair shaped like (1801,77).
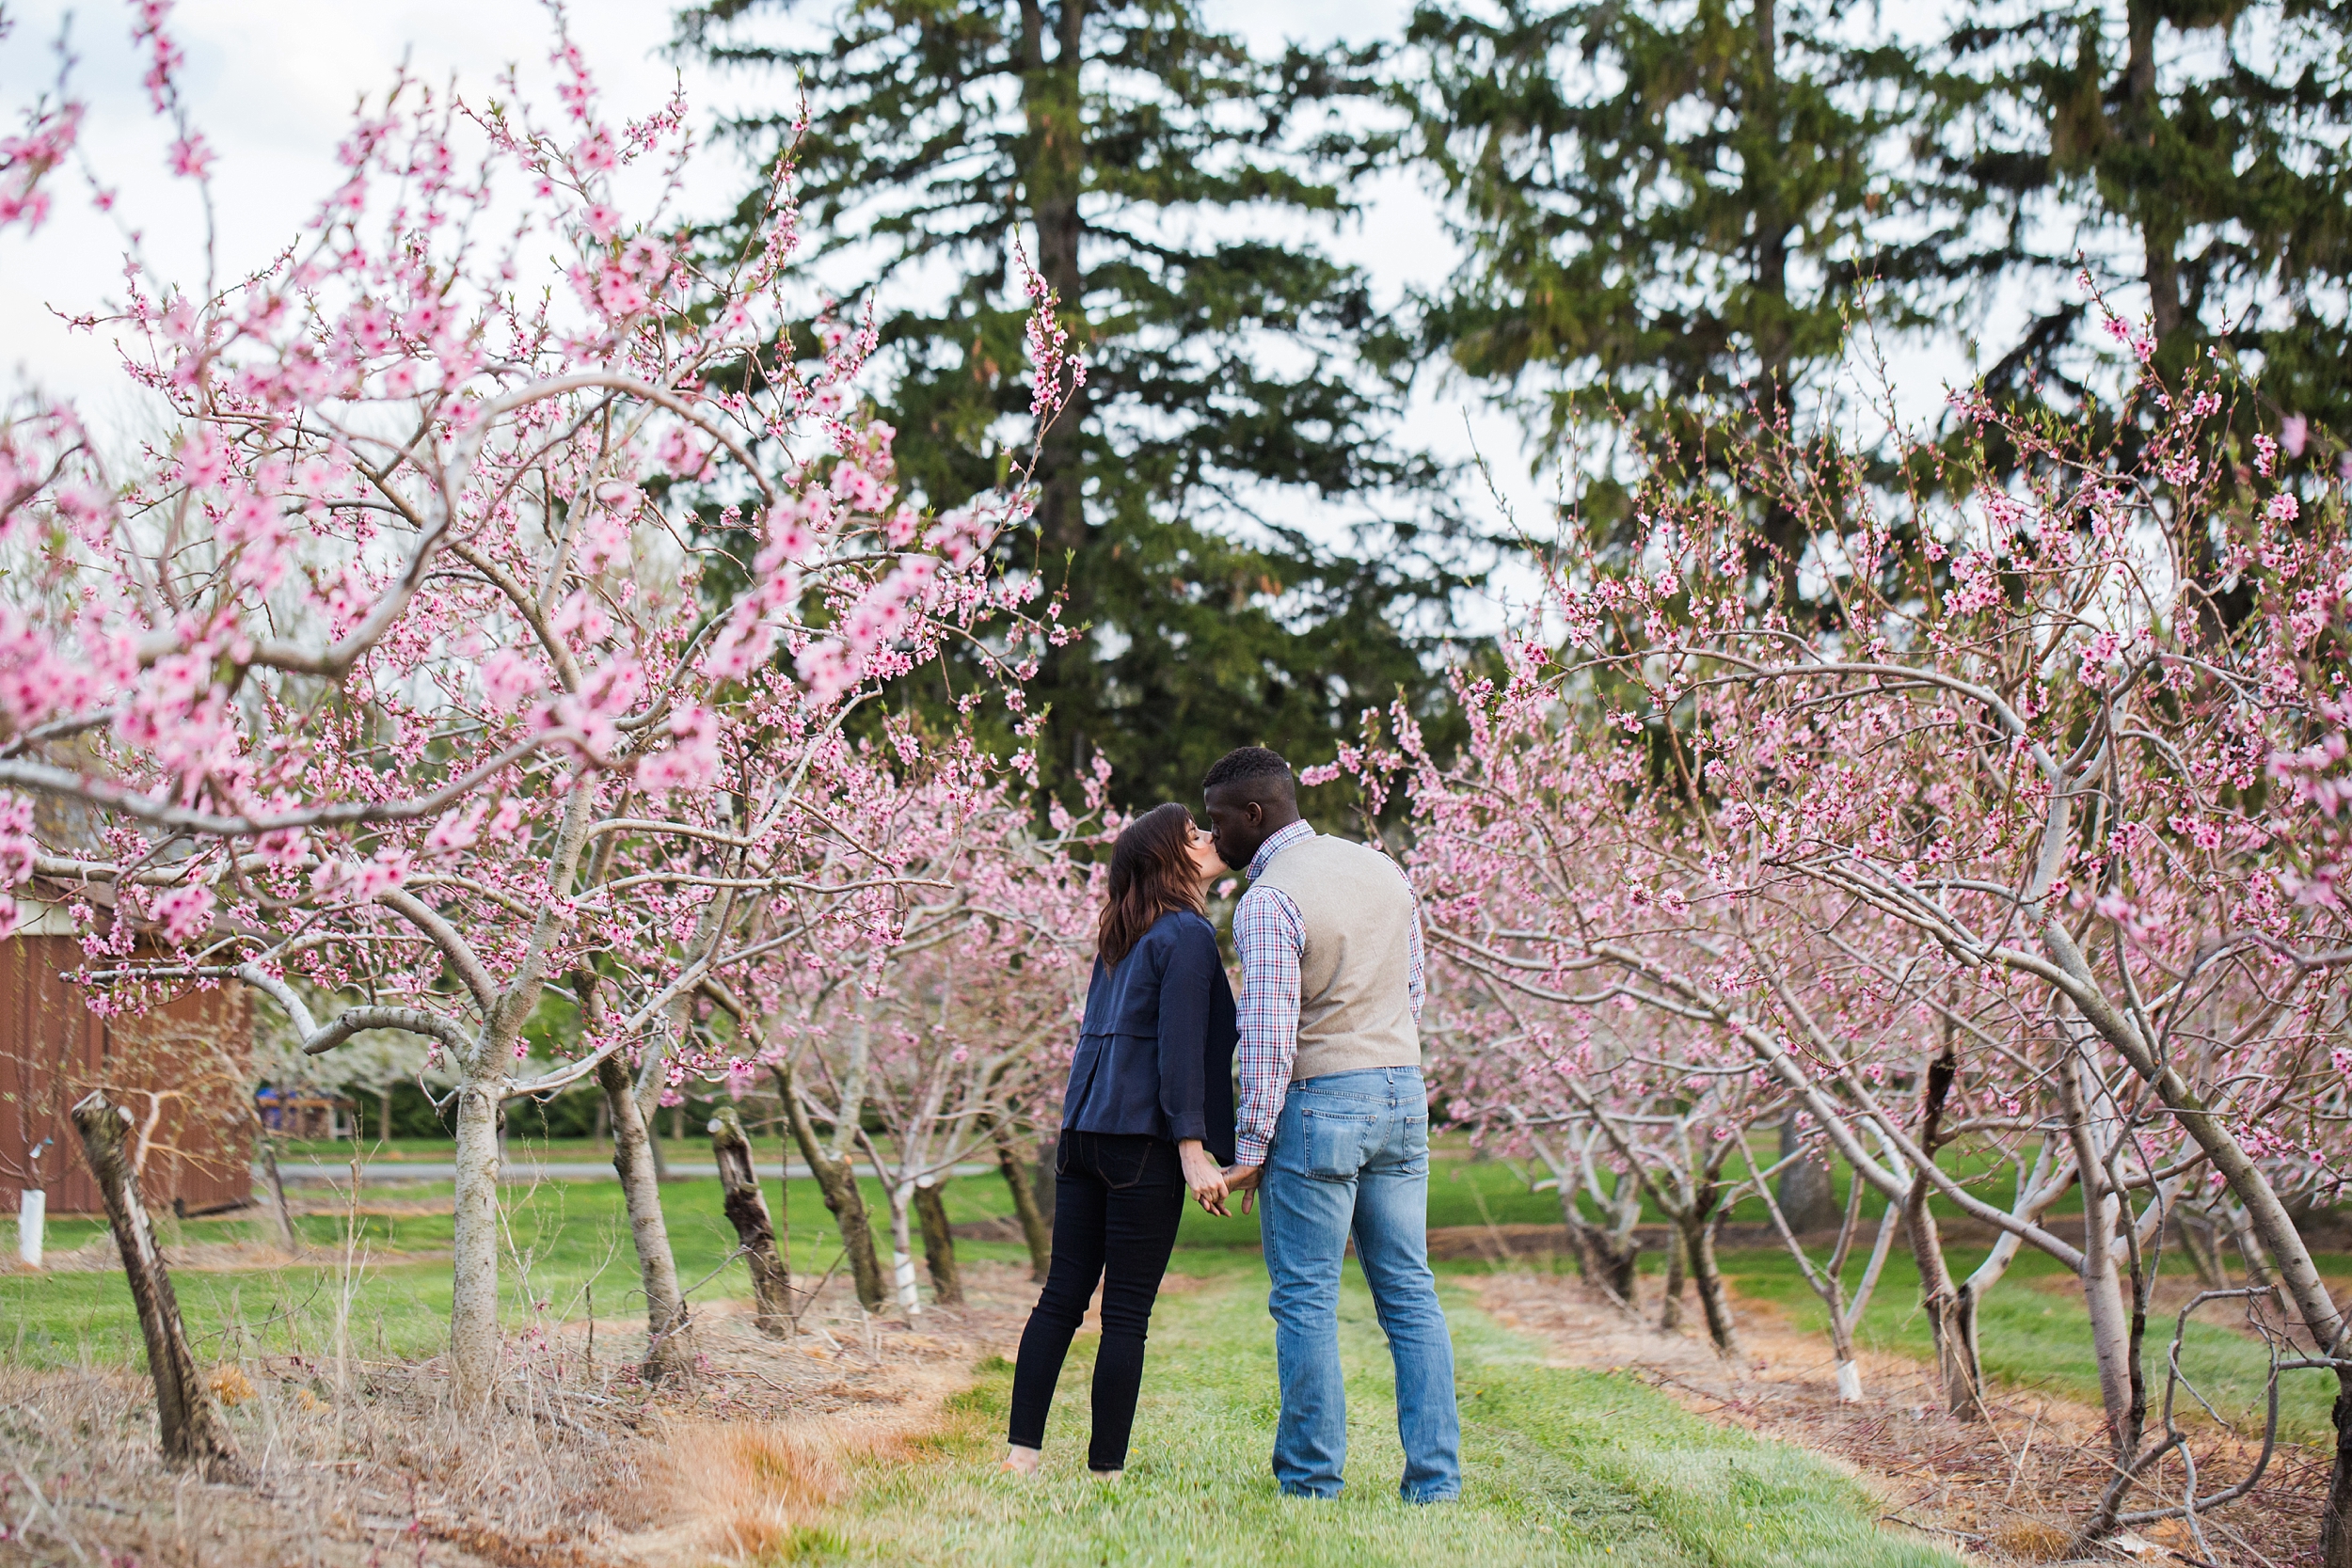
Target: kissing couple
(1331,1132)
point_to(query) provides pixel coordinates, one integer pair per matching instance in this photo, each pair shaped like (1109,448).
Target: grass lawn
(1465,1190)
(569,1247)
(692,1149)
(1559,1467)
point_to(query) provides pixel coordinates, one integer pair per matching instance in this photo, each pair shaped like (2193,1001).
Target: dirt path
(2011,1489)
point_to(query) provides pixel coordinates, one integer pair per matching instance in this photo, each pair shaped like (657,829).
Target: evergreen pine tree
(2190,148)
(1172,186)
(1673,213)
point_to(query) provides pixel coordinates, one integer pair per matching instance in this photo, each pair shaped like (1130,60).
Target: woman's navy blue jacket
(1155,1054)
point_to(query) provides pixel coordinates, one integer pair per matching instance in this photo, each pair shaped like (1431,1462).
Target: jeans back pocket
(1413,1134)
(1340,1138)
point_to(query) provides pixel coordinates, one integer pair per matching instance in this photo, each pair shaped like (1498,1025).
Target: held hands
(1244,1179)
(1202,1175)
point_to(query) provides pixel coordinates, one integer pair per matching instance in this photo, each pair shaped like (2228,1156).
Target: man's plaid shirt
(1270,934)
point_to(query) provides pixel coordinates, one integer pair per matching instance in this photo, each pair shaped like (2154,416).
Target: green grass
(567,1248)
(692,1149)
(1558,1466)
(1460,1185)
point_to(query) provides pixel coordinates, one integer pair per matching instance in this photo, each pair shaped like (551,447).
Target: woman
(1148,1113)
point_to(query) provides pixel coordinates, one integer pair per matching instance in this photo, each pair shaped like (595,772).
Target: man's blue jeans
(1351,1157)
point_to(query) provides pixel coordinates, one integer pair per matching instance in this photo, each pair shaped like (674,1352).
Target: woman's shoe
(1107,1475)
(1020,1461)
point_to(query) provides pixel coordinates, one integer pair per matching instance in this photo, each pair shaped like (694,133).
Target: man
(1333,1121)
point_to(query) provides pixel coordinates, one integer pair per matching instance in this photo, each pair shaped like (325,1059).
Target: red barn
(181,1070)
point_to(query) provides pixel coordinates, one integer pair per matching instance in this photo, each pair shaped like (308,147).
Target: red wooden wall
(179,1070)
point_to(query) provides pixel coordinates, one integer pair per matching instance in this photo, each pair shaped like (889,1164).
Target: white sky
(272,82)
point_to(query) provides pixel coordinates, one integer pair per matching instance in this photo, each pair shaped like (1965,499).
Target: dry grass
(582,1467)
(2012,1490)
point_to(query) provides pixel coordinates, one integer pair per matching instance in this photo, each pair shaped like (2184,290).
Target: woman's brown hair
(1152,873)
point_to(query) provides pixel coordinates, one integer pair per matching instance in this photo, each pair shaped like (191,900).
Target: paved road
(379,1173)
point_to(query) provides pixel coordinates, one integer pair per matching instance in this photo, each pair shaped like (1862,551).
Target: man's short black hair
(1255,770)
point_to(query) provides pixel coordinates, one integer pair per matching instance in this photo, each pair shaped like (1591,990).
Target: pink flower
(285,849)
(594,151)
(185,914)
(17,849)
(203,459)
(508,678)
(691,759)
(828,670)
(456,830)
(740,647)
(190,158)
(507,823)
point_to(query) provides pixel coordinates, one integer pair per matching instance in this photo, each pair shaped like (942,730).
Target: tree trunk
(837,1181)
(746,1211)
(1043,1181)
(2103,1291)
(939,1245)
(1054,159)
(192,1431)
(1606,1258)
(2335,1525)
(1950,1310)
(669,1335)
(2110,1340)
(902,1250)
(2198,1239)
(2140,111)
(2249,1247)
(1809,1192)
(1699,1241)
(653,1144)
(32,1224)
(1057,156)
(278,1211)
(1841,1352)
(1670,1311)
(473,1309)
(1034,1229)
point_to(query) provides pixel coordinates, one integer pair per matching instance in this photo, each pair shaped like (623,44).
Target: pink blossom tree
(940,1036)
(461,641)
(979,1000)
(2048,779)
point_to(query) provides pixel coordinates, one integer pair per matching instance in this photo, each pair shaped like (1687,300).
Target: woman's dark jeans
(1117,1199)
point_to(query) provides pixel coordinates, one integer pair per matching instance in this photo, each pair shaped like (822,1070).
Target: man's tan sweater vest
(1355,1008)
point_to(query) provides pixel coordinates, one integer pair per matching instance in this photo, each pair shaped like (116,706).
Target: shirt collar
(1282,839)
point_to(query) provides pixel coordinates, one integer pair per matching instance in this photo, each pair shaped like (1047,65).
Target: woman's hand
(1244,1179)
(1203,1177)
